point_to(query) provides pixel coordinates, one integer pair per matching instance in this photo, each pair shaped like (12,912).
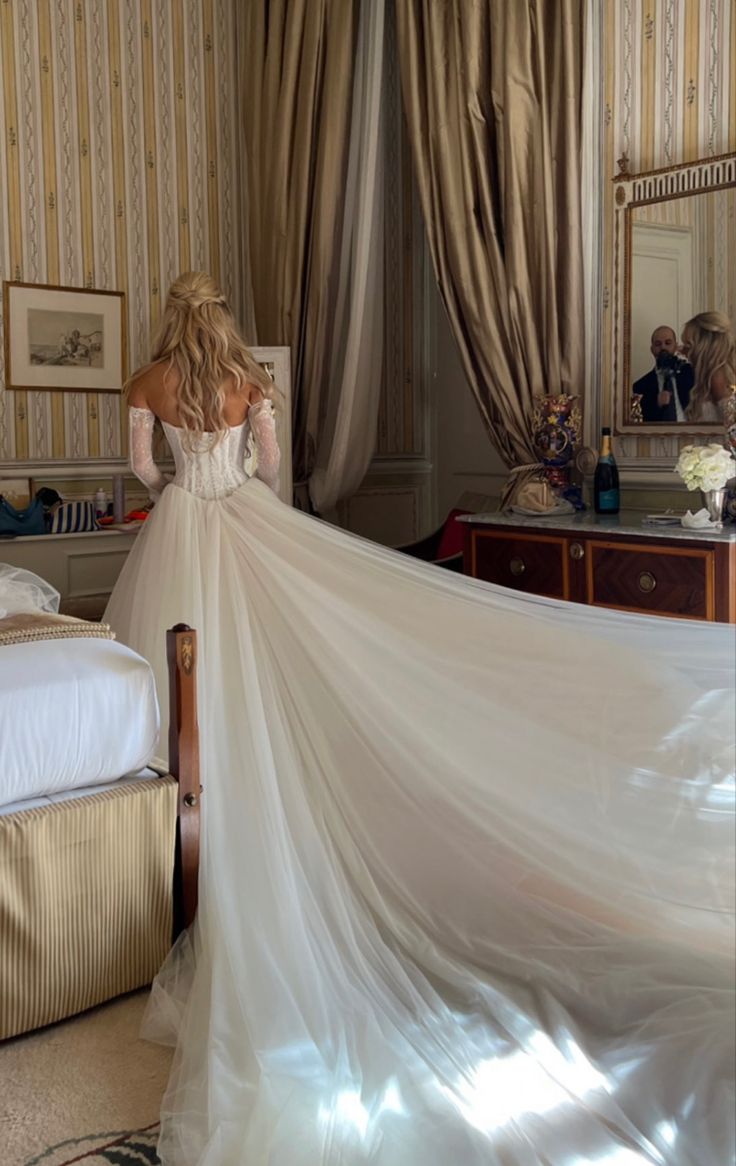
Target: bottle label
(608,500)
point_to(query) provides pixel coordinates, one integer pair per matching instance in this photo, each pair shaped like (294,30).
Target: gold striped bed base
(85,901)
(92,889)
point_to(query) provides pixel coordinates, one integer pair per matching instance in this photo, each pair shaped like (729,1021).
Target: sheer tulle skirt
(467,879)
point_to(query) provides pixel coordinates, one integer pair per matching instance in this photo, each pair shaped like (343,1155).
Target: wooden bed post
(181,653)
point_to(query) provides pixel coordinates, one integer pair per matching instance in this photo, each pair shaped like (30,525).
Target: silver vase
(714,501)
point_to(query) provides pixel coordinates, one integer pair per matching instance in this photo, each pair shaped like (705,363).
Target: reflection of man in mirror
(665,390)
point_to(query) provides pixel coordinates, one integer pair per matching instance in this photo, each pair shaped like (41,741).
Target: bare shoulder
(257,394)
(721,384)
(146,386)
(254,393)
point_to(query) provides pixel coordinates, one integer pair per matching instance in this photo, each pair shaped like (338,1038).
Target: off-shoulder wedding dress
(466,894)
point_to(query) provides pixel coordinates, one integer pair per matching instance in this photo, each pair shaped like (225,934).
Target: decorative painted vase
(557,431)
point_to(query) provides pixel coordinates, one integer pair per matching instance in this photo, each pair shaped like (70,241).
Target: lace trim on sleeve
(140,427)
(728,412)
(727,406)
(268,455)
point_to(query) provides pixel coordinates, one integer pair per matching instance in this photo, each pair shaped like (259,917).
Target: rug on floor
(134,1148)
(86,1091)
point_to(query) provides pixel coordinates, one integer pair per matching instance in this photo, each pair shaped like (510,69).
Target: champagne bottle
(606,495)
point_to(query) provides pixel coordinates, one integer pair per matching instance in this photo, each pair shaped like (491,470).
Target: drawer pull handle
(517,566)
(190,800)
(647,582)
(577,550)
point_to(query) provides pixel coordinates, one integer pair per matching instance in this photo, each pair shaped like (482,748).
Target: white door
(661,286)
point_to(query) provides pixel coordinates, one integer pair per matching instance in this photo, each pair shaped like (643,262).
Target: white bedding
(86,791)
(73,713)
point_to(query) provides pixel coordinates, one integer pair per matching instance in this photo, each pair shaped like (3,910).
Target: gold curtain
(295,63)
(492,94)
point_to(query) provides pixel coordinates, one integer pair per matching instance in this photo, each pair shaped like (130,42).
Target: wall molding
(378,523)
(655,471)
(386,464)
(53,468)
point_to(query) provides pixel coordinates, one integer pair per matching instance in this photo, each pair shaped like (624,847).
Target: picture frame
(18,491)
(64,339)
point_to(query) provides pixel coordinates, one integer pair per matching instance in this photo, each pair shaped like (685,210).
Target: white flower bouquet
(705,467)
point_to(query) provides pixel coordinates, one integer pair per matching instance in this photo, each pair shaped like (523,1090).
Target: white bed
(87,829)
(74,713)
(148,773)
(98,852)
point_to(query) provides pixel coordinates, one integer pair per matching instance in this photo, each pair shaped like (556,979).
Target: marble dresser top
(588,522)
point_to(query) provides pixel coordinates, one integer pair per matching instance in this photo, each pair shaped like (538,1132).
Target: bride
(466,890)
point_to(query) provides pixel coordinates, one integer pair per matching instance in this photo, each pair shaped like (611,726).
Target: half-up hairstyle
(199,339)
(711,347)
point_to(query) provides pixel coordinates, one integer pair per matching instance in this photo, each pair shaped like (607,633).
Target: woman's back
(207,469)
(208,465)
(156,388)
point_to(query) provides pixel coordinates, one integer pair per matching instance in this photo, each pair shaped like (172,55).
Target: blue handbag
(20,522)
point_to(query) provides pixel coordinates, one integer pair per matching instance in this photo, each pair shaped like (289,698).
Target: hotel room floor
(80,1082)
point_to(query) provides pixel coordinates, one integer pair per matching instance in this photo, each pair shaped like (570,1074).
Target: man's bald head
(664,339)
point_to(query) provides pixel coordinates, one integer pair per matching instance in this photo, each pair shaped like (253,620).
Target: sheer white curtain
(348,438)
(591,206)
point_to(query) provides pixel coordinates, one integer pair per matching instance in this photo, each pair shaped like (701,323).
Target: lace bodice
(207,470)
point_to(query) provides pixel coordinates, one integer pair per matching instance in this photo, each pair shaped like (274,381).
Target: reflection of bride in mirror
(708,343)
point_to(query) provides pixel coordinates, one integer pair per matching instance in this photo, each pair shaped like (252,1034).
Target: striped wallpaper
(669,76)
(117,164)
(116,171)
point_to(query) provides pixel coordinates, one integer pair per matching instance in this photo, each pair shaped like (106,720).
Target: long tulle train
(467,881)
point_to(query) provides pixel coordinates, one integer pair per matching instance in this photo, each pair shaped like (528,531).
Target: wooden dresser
(608,562)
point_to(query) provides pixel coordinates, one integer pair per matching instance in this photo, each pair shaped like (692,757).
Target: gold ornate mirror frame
(631,192)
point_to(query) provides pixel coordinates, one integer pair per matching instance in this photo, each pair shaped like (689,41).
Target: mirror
(677,230)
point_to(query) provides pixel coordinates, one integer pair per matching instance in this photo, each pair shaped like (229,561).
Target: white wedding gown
(466,894)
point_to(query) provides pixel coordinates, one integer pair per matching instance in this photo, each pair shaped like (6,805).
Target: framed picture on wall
(64,338)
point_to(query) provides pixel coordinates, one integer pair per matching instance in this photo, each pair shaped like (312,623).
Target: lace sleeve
(140,422)
(727,406)
(268,455)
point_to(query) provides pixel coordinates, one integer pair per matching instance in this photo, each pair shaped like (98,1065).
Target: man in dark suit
(665,390)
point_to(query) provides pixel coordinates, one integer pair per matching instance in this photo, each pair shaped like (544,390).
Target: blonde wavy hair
(711,346)
(200,340)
